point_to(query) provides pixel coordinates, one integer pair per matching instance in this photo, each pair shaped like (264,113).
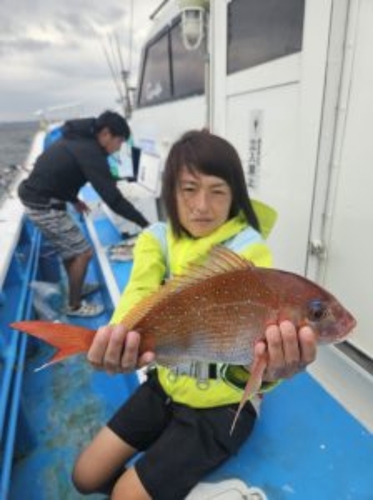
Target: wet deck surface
(306,446)
(64,406)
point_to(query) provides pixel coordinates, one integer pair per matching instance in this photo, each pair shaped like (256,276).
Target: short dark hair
(116,124)
(211,155)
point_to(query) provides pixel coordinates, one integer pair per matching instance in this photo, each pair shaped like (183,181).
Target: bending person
(78,157)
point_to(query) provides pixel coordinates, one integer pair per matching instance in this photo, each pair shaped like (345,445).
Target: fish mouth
(343,337)
(338,330)
(349,324)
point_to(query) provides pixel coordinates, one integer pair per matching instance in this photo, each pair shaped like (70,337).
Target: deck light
(193,21)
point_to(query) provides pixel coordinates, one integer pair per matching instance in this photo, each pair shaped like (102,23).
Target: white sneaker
(229,489)
(256,494)
(86,310)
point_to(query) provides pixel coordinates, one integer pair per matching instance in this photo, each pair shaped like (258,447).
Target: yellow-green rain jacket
(159,255)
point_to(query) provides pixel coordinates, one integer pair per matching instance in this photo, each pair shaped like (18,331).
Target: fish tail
(67,339)
(253,385)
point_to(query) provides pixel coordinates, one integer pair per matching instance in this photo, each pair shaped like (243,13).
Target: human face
(111,143)
(203,202)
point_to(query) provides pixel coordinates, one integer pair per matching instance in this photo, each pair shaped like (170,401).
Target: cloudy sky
(52,52)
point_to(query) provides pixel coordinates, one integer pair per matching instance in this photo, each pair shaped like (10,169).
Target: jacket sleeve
(98,174)
(259,254)
(148,272)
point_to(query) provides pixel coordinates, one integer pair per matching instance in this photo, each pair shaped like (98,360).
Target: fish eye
(316,310)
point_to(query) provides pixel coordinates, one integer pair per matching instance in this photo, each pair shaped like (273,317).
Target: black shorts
(181,444)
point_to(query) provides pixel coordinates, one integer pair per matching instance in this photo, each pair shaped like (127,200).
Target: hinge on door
(317,248)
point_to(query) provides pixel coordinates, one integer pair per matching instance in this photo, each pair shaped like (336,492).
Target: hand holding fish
(115,349)
(81,207)
(289,351)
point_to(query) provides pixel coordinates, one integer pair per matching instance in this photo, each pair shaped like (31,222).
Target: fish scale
(192,319)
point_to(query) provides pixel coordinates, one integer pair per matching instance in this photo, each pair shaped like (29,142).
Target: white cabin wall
(288,94)
(277,106)
(218,67)
(157,127)
(346,265)
(335,66)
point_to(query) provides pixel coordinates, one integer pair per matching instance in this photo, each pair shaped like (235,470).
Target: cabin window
(169,71)
(187,66)
(156,77)
(263,30)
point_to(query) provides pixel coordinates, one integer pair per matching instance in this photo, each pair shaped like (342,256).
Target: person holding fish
(181,416)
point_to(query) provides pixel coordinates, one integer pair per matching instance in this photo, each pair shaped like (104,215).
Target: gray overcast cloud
(51,52)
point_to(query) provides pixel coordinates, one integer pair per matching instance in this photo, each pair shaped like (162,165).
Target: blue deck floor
(64,405)
(305,445)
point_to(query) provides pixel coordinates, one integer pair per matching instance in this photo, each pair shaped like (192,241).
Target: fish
(215,312)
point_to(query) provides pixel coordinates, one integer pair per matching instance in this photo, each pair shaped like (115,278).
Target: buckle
(213,371)
(235,375)
(199,370)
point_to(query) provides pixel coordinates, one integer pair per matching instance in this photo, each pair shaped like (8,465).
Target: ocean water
(15,141)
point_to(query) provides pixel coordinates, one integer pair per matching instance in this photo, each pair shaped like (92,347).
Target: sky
(52,53)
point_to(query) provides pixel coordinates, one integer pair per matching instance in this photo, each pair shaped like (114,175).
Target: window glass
(156,83)
(187,66)
(263,30)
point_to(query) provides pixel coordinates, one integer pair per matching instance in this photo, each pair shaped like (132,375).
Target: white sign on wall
(255,147)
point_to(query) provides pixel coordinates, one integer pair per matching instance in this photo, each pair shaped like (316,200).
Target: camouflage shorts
(61,230)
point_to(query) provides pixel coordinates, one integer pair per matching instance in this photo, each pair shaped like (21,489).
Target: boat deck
(305,445)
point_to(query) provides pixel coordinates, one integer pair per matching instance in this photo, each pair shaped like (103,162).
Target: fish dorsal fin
(220,260)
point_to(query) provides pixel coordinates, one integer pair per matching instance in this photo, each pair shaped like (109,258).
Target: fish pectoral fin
(253,384)
(257,370)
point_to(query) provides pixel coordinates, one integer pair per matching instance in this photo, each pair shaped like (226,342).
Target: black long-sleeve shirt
(69,163)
